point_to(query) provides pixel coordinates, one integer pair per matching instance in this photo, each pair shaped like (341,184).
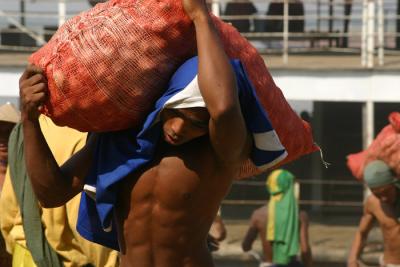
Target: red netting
(394,119)
(386,147)
(107,66)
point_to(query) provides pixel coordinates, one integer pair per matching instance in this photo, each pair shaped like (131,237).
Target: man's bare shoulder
(259,215)
(371,204)
(262,210)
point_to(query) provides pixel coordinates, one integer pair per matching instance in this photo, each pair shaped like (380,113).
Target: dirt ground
(330,245)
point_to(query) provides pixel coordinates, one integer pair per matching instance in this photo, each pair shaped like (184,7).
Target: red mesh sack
(355,162)
(386,147)
(107,66)
(294,133)
(394,119)
(389,152)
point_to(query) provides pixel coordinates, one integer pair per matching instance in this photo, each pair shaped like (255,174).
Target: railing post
(371,34)
(330,25)
(398,25)
(318,15)
(368,123)
(368,130)
(364,27)
(285,31)
(381,33)
(215,8)
(22,10)
(62,12)
(23,28)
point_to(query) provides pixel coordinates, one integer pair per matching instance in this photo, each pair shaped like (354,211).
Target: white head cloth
(189,97)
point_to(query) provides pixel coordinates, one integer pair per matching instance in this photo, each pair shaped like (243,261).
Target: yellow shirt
(59,223)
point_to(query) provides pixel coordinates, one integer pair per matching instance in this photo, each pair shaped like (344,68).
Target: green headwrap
(377,173)
(283,217)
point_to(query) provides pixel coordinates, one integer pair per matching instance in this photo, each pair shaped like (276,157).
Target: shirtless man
(258,223)
(383,205)
(258,227)
(166,209)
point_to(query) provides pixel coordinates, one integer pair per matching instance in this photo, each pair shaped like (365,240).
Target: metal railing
(305,202)
(364,27)
(372,24)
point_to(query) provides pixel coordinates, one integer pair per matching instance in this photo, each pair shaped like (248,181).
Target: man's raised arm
(53,186)
(217,84)
(252,233)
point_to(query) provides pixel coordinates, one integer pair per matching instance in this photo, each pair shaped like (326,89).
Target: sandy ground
(330,245)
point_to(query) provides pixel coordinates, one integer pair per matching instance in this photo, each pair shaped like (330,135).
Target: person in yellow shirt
(9,116)
(46,237)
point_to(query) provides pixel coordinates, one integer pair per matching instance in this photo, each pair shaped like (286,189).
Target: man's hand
(32,92)
(195,8)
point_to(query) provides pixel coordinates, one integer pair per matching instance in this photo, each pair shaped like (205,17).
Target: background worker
(383,206)
(282,229)
(9,116)
(37,236)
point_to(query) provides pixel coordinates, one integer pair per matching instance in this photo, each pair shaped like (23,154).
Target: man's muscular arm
(364,228)
(217,84)
(53,186)
(249,238)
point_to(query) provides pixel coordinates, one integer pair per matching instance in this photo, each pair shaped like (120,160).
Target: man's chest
(180,176)
(387,218)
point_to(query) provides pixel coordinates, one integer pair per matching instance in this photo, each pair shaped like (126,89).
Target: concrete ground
(330,245)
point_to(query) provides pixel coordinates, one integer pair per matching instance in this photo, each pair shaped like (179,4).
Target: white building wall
(9,81)
(351,86)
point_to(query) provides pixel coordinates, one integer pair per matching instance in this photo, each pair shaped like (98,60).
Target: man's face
(5,130)
(386,193)
(183,125)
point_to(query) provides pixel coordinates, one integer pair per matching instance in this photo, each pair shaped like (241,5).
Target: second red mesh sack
(107,66)
(385,147)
